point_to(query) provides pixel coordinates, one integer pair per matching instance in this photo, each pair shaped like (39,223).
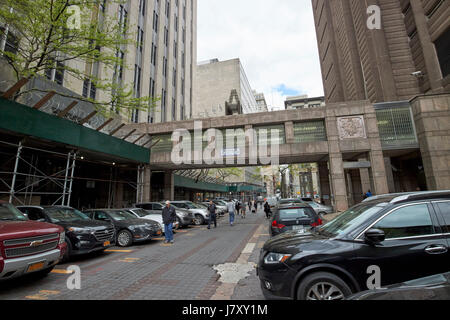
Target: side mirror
(41,220)
(374,236)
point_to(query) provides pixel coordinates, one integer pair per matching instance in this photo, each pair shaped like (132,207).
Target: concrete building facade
(304,102)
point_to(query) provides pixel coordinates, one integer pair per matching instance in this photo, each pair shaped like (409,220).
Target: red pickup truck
(27,246)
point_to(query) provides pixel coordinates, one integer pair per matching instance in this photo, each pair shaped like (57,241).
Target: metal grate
(396,127)
(271,137)
(309,131)
(165,143)
(104,235)
(14,242)
(24,251)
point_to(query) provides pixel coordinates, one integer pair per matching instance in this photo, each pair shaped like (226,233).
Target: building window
(174,111)
(142,7)
(155,21)
(163,106)
(443,51)
(103,6)
(56,73)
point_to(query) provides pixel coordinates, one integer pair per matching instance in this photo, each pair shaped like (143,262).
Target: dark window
(443,51)
(157,206)
(93,91)
(295,213)
(173,110)
(12,42)
(444,208)
(86,83)
(409,221)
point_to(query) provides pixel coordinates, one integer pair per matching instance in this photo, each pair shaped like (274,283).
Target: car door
(157,208)
(442,209)
(413,248)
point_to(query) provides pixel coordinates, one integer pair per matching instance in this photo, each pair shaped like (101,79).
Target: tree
(225,173)
(60,35)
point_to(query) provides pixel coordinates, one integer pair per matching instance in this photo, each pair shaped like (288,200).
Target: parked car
(406,236)
(272,201)
(184,217)
(83,235)
(144,214)
(282,202)
(129,229)
(201,215)
(26,246)
(435,287)
(299,217)
(321,209)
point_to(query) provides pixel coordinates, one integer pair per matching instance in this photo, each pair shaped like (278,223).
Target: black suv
(394,238)
(299,217)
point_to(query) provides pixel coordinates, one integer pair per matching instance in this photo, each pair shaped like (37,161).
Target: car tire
(323,286)
(124,238)
(199,220)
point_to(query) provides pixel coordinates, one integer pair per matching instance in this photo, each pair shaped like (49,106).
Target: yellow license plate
(159,232)
(106,243)
(36,266)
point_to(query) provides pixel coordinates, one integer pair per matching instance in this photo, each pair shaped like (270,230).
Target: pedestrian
(267,209)
(212,214)
(231,210)
(368,194)
(169,217)
(238,208)
(256,206)
(243,210)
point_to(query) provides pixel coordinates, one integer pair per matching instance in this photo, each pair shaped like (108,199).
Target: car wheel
(124,238)
(323,286)
(199,220)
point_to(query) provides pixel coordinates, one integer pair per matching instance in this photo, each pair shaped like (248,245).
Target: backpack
(237,206)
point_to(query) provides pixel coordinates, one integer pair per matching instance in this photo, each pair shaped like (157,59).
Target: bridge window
(396,126)
(275,135)
(309,131)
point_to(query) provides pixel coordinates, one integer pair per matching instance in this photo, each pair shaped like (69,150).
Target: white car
(201,215)
(144,214)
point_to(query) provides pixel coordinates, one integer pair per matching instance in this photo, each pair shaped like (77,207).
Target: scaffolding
(35,179)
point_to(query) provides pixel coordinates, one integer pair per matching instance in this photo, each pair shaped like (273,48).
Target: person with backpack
(238,208)
(267,210)
(212,215)
(256,207)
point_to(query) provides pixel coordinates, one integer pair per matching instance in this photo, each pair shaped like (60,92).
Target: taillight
(278,226)
(318,223)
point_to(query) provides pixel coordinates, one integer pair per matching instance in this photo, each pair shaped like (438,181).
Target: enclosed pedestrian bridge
(351,131)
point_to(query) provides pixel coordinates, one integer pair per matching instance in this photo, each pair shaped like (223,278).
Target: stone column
(337,175)
(376,153)
(433,68)
(389,174)
(118,201)
(351,200)
(432,119)
(147,197)
(169,185)
(365,178)
(289,132)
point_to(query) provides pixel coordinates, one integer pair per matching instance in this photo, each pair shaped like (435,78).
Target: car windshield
(65,215)
(121,215)
(350,218)
(201,205)
(140,212)
(294,214)
(10,213)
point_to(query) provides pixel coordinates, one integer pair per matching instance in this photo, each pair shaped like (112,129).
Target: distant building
(303,102)
(261,101)
(222,88)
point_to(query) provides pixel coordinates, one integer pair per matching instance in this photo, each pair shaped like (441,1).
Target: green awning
(18,118)
(188,183)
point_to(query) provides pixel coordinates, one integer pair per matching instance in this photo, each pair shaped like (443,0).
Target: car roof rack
(399,197)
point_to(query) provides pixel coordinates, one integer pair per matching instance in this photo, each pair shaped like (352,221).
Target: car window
(313,204)
(140,212)
(65,215)
(100,216)
(444,208)
(11,213)
(294,214)
(408,221)
(121,215)
(147,206)
(34,214)
(157,206)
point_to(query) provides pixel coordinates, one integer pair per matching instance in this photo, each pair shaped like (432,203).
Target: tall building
(222,88)
(162,65)
(304,102)
(408,56)
(261,101)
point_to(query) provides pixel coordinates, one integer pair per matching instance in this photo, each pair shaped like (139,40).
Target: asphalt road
(202,264)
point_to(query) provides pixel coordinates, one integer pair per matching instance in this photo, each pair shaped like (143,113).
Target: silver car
(320,208)
(184,217)
(201,214)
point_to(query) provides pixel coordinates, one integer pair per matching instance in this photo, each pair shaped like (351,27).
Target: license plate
(106,243)
(35,266)
(159,232)
(298,228)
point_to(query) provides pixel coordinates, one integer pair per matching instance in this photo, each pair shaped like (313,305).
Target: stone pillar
(389,175)
(169,185)
(376,153)
(147,197)
(118,200)
(338,185)
(351,200)
(433,68)
(365,178)
(432,120)
(324,179)
(289,132)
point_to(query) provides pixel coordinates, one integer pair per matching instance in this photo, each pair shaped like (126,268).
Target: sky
(275,40)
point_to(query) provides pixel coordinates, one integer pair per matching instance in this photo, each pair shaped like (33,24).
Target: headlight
(80,230)
(273,258)
(62,237)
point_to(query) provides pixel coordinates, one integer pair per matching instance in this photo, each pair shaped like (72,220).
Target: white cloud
(275,40)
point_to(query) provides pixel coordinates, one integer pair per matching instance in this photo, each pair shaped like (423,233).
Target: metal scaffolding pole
(16,165)
(65,179)
(71,178)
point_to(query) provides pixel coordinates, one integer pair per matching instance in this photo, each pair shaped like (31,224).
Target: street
(186,270)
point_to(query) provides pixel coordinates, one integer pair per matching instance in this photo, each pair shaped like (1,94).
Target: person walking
(267,209)
(256,206)
(368,194)
(243,210)
(212,214)
(238,208)
(231,210)
(169,217)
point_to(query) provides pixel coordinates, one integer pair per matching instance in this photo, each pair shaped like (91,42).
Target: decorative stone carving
(351,127)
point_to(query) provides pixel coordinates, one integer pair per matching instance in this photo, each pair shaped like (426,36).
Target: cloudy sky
(275,40)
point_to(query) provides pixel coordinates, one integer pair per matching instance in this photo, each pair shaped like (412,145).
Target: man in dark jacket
(212,214)
(169,217)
